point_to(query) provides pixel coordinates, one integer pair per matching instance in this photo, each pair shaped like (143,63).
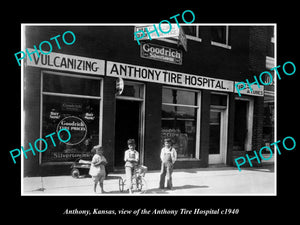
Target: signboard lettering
(72,63)
(161,53)
(256,91)
(114,69)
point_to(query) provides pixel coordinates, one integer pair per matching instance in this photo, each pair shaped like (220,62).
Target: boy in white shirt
(131,158)
(168,157)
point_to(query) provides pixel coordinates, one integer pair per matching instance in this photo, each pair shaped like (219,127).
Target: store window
(73,103)
(220,36)
(179,120)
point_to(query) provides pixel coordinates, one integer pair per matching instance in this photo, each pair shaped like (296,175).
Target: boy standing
(131,158)
(168,157)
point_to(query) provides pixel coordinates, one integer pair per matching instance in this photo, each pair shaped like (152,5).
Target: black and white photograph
(143,113)
(110,110)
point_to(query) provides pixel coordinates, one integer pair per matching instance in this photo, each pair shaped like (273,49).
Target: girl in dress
(97,169)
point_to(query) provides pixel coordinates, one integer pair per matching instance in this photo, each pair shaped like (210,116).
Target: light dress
(97,169)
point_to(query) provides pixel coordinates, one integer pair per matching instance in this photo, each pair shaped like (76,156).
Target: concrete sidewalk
(200,181)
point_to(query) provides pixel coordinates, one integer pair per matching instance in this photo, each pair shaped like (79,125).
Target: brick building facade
(199,109)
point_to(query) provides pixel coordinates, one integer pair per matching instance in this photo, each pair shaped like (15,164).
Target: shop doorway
(129,121)
(243,124)
(127,126)
(217,136)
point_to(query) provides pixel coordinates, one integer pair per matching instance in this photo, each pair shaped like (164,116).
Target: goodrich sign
(161,53)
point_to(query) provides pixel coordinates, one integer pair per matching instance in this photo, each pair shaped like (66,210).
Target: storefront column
(258,121)
(108,131)
(32,98)
(153,125)
(231,110)
(204,130)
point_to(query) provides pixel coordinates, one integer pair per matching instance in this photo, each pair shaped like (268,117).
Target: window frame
(194,37)
(224,123)
(198,119)
(219,44)
(42,93)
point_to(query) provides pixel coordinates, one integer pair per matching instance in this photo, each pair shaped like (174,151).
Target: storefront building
(105,89)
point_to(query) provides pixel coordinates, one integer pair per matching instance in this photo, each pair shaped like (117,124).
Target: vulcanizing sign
(114,69)
(65,62)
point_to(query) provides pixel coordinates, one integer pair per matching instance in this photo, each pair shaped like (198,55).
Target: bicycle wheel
(141,184)
(121,184)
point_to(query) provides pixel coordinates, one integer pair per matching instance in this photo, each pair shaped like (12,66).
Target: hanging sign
(161,53)
(174,32)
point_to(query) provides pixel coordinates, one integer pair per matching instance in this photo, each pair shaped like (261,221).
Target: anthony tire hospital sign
(71,63)
(141,73)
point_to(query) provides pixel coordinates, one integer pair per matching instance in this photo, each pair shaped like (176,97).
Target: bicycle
(138,181)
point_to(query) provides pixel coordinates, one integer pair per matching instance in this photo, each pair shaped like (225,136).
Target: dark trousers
(166,171)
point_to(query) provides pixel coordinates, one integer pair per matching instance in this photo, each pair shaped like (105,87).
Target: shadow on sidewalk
(168,191)
(263,168)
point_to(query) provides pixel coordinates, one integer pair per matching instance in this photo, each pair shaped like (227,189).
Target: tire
(75,173)
(121,184)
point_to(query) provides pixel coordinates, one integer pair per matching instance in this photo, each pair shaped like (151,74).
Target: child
(168,157)
(97,169)
(131,158)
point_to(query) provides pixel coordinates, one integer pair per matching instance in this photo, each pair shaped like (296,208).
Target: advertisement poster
(108,124)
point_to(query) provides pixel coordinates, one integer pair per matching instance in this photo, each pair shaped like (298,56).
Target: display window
(73,103)
(179,120)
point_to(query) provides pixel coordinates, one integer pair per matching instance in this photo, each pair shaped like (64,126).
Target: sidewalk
(200,181)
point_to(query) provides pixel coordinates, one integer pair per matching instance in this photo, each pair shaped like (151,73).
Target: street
(199,181)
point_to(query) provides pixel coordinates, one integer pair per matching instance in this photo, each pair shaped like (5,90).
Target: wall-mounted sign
(57,61)
(119,86)
(256,91)
(160,53)
(133,72)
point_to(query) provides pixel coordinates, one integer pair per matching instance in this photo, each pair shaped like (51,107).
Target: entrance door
(127,126)
(217,136)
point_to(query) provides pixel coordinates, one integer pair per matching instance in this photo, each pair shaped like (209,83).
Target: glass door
(217,136)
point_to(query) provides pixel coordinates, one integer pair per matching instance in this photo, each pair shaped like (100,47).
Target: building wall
(32,113)
(242,61)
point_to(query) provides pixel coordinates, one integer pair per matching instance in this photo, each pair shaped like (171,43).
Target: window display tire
(75,173)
